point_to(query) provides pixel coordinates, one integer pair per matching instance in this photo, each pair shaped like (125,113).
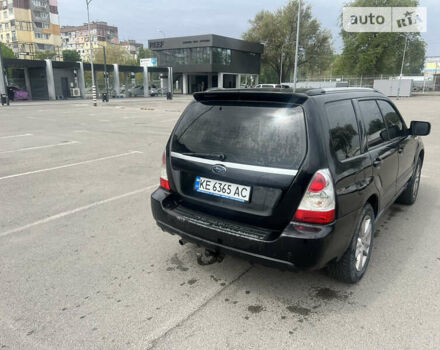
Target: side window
(344,130)
(392,119)
(374,124)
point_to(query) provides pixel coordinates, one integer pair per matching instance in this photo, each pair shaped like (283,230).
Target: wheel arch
(422,154)
(373,200)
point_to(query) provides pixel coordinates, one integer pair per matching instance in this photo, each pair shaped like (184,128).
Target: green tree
(372,54)
(45,55)
(114,54)
(7,52)
(268,74)
(277,30)
(146,53)
(71,56)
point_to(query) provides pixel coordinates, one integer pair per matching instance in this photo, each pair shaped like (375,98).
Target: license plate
(222,189)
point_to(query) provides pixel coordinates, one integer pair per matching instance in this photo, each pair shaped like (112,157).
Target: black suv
(295,180)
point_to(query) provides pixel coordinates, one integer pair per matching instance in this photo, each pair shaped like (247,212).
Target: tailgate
(238,159)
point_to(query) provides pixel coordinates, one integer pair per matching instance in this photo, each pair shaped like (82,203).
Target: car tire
(409,196)
(351,267)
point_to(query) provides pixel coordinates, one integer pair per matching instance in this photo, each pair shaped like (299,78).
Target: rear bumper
(299,246)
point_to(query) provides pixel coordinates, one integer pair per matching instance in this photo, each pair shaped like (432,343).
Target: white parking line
(134,117)
(69,165)
(40,147)
(11,136)
(168,120)
(35,118)
(74,211)
(151,132)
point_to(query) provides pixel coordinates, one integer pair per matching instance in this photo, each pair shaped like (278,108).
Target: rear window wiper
(213,156)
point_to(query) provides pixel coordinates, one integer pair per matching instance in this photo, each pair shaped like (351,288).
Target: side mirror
(384,135)
(420,128)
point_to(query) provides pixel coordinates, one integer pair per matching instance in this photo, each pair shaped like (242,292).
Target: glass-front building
(194,55)
(205,61)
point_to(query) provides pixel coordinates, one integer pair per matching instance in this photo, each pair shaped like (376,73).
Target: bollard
(94,95)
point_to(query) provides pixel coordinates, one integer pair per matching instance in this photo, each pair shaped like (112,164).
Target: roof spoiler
(251,95)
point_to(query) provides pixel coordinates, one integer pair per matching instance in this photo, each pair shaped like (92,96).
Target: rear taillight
(163,174)
(318,204)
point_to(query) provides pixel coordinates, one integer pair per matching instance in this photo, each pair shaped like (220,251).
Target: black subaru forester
(294,180)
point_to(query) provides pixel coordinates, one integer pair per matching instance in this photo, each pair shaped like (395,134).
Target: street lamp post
(91,54)
(106,76)
(401,67)
(295,73)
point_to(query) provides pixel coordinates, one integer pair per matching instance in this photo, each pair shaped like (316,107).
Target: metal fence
(421,84)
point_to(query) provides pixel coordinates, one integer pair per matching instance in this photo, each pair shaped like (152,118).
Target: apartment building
(30,26)
(77,37)
(132,47)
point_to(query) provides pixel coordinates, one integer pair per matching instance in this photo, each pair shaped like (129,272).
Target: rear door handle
(377,163)
(400,150)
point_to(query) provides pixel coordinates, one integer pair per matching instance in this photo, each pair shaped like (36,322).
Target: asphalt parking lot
(83,265)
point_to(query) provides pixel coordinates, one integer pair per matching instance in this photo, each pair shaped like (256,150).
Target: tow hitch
(209,257)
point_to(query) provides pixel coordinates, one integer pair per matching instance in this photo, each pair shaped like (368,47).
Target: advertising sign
(384,19)
(149,62)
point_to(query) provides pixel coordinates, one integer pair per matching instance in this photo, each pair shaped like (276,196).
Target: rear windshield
(255,134)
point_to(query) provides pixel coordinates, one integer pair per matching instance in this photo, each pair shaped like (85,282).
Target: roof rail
(320,91)
(251,95)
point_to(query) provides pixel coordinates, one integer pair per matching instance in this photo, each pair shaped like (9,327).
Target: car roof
(285,95)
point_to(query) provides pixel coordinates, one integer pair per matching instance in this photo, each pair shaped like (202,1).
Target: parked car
(136,91)
(120,95)
(17,94)
(260,86)
(294,180)
(158,91)
(154,91)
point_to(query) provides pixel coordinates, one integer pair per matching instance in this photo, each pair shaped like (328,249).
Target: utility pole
(91,54)
(295,69)
(401,67)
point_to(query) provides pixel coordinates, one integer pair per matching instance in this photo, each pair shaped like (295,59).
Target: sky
(151,19)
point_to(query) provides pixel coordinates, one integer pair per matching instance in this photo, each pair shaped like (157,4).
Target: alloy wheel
(416,184)
(363,242)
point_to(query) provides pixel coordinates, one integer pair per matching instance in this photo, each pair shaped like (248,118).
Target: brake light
(163,174)
(318,183)
(318,204)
